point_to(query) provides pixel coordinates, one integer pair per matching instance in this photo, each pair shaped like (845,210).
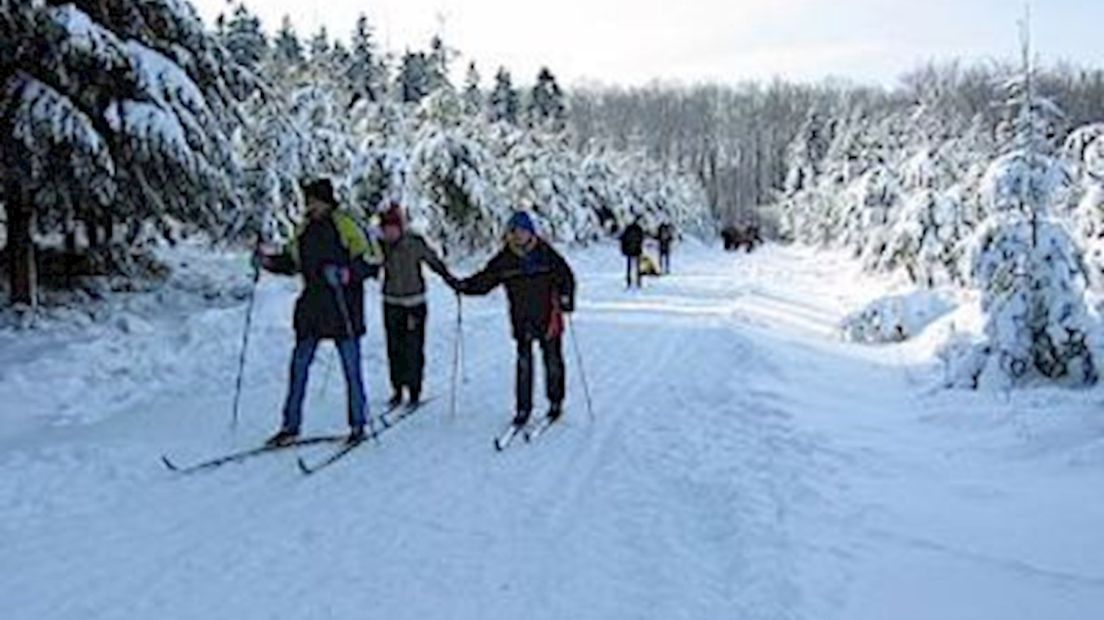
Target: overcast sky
(635,41)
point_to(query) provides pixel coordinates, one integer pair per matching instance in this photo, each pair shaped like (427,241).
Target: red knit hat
(393,216)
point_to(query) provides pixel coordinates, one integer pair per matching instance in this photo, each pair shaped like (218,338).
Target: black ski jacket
(534,281)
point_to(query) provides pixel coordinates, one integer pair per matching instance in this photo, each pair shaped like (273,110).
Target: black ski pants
(632,269)
(554,376)
(406,328)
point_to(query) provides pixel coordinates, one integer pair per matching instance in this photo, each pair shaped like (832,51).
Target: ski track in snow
(743,462)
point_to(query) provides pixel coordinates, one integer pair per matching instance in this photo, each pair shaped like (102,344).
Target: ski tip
(303,468)
(169,464)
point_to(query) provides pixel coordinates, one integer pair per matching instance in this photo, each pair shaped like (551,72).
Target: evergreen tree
(287,50)
(413,78)
(340,61)
(546,103)
(365,71)
(437,64)
(473,95)
(504,104)
(112,115)
(320,47)
(1030,270)
(244,38)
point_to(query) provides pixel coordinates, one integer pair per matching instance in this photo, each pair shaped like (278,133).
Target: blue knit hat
(521,220)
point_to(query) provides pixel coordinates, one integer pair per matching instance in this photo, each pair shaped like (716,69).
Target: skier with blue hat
(540,288)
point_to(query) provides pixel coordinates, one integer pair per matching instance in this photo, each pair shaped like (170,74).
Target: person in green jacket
(334,257)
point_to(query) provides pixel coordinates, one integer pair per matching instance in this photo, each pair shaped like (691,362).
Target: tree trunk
(70,250)
(108,224)
(91,229)
(21,255)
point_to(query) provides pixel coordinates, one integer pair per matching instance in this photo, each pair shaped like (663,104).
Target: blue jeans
(301,358)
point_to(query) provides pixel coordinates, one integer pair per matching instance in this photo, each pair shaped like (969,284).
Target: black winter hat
(320,189)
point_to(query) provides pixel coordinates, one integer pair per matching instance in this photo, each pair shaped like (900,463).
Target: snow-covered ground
(743,462)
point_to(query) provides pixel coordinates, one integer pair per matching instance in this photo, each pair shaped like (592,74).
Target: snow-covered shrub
(1085,148)
(895,318)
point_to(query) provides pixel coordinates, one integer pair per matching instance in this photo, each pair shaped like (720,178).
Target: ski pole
(582,369)
(244,345)
(457,348)
(460,332)
(350,333)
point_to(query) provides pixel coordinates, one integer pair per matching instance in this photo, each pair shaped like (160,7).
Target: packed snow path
(742,463)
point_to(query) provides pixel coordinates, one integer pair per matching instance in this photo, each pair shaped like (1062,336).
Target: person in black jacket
(540,287)
(666,236)
(334,258)
(632,246)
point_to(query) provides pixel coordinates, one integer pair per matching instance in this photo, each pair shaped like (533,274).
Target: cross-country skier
(540,287)
(404,302)
(333,256)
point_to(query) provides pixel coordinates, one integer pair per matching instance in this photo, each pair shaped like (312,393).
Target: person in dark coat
(540,287)
(666,236)
(632,246)
(404,302)
(334,257)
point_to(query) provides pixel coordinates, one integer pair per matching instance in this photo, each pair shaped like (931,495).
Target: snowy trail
(743,463)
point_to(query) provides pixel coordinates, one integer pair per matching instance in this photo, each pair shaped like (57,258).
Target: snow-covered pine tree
(303,138)
(245,39)
(805,163)
(600,192)
(1027,264)
(437,64)
(504,103)
(473,94)
(287,50)
(542,176)
(928,232)
(546,103)
(413,78)
(320,55)
(1085,149)
(112,112)
(455,177)
(365,73)
(340,60)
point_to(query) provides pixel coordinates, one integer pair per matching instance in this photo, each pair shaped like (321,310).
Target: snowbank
(895,318)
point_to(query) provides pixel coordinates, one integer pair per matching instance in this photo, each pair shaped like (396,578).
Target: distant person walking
(666,237)
(632,246)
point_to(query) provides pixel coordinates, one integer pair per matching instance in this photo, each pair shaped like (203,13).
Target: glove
(555,324)
(336,275)
(452,282)
(567,304)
